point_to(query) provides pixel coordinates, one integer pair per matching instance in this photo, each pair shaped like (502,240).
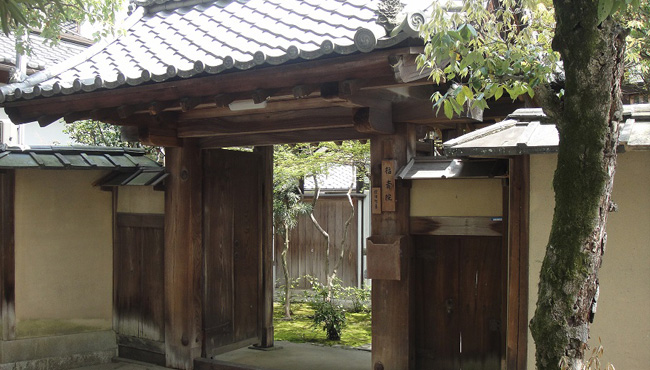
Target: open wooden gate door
(459,280)
(232,209)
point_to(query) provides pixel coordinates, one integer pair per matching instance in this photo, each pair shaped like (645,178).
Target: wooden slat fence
(307,250)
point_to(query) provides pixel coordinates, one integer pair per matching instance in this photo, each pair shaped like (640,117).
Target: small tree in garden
(287,207)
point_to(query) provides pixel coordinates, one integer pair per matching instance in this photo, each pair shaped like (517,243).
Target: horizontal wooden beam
(220,127)
(292,137)
(478,226)
(154,136)
(373,66)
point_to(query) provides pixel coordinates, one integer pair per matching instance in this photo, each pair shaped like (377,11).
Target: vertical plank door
(458,286)
(233,253)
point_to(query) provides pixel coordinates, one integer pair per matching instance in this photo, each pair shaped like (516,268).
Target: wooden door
(458,282)
(139,293)
(233,249)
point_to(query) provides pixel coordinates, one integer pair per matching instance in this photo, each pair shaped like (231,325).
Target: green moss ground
(300,330)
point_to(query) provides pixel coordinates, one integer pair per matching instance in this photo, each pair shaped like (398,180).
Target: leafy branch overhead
(506,48)
(50,17)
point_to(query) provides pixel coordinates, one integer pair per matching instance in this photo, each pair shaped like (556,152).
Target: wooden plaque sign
(388,185)
(376,201)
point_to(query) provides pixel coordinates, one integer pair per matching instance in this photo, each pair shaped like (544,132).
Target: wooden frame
(7,255)
(518,235)
(266,236)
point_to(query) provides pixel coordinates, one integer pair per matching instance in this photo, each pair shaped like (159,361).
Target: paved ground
(290,356)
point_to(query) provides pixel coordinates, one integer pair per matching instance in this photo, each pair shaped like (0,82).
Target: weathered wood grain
(443,225)
(183,255)
(517,335)
(392,300)
(7,255)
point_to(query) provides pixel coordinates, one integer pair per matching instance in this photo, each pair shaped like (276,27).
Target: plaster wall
(64,252)
(623,317)
(140,199)
(456,197)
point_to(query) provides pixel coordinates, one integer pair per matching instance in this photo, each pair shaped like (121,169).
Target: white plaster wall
(64,246)
(623,317)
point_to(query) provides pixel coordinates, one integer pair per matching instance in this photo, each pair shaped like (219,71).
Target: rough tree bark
(587,121)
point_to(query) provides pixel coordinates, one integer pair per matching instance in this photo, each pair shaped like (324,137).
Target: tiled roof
(182,39)
(43,55)
(529,131)
(337,178)
(74,157)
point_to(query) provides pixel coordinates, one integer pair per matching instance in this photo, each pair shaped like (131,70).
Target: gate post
(183,255)
(392,321)
(266,235)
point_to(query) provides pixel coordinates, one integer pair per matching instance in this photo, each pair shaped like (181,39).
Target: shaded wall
(457,197)
(623,317)
(64,251)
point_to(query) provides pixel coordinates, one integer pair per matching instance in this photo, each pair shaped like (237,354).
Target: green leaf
(448,109)
(498,93)
(467,92)
(604,9)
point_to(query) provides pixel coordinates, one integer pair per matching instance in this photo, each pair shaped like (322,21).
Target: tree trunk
(588,121)
(342,245)
(285,271)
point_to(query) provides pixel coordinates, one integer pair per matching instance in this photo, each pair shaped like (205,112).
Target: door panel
(232,247)
(458,285)
(437,333)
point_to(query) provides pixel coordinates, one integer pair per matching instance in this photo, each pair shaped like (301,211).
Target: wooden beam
(47,120)
(157,107)
(293,137)
(476,226)
(289,106)
(222,100)
(219,127)
(126,111)
(76,116)
(303,91)
(101,114)
(373,66)
(259,96)
(518,219)
(376,119)
(392,300)
(266,234)
(7,255)
(187,104)
(183,256)
(157,136)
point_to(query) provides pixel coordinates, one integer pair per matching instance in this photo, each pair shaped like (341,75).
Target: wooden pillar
(7,255)
(392,321)
(518,216)
(266,235)
(183,255)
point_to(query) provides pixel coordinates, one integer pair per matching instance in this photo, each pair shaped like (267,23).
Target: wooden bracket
(44,121)
(76,116)
(302,91)
(222,100)
(188,104)
(377,119)
(156,136)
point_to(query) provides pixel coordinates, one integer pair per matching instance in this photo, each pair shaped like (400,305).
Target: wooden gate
(459,280)
(139,317)
(232,209)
